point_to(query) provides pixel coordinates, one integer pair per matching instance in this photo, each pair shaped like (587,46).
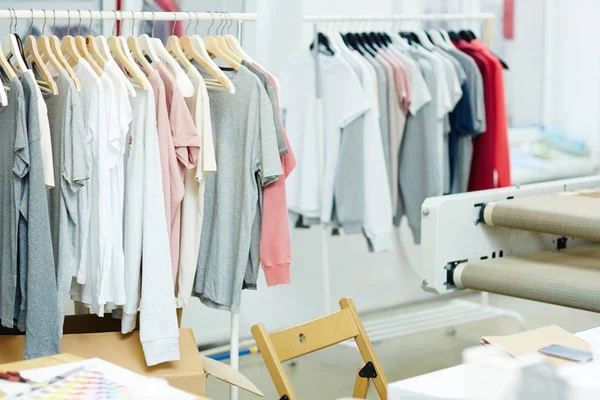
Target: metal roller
(569,278)
(574,214)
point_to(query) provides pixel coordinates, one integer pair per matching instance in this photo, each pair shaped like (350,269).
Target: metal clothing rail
(123,15)
(398,17)
(126,15)
(392,326)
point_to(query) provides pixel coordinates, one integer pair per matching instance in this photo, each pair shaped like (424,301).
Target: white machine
(453,233)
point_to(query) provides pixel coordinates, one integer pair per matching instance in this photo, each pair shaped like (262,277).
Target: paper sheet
(119,382)
(529,342)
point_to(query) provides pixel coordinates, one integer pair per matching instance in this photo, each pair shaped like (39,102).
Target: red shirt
(490,150)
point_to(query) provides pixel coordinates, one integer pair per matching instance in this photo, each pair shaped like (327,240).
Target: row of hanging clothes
(133,176)
(406,116)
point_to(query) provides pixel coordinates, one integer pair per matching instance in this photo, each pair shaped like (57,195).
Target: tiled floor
(329,374)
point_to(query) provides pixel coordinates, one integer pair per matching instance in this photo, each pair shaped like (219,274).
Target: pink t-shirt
(401,79)
(179,144)
(275,241)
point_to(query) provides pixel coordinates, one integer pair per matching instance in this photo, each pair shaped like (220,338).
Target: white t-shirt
(377,200)
(192,208)
(112,293)
(93,240)
(45,140)
(344,100)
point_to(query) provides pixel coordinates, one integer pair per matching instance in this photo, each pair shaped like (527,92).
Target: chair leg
(366,351)
(361,386)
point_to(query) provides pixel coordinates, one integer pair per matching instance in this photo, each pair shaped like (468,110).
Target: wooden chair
(284,345)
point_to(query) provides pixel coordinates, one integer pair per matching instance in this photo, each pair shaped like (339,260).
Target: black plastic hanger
(454,36)
(365,46)
(20,45)
(323,40)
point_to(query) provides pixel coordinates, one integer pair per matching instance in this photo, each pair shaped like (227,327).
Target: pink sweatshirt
(275,241)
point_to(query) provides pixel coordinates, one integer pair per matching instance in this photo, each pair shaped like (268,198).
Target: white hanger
(437,39)
(10,47)
(103,44)
(183,81)
(146,45)
(425,42)
(446,37)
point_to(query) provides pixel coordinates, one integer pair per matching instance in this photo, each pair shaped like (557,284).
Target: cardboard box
(188,374)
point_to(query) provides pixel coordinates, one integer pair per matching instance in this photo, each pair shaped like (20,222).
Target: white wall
(575,99)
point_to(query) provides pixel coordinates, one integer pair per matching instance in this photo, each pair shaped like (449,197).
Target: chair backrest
(297,341)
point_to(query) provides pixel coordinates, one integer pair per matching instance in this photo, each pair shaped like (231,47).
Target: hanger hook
(10,10)
(121,19)
(225,22)
(16,20)
(197,22)
(91,20)
(153,22)
(115,24)
(220,19)
(79,26)
(68,22)
(43,25)
(30,25)
(224,18)
(189,22)
(229,22)
(143,22)
(212,21)
(174,23)
(53,21)
(132,22)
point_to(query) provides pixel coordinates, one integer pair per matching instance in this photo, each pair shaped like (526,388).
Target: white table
(450,383)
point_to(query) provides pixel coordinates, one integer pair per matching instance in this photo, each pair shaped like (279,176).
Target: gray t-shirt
(419,176)
(14,164)
(248,158)
(252,270)
(71,171)
(38,311)
(272,93)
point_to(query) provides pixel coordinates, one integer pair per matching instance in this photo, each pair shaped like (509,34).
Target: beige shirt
(179,144)
(192,208)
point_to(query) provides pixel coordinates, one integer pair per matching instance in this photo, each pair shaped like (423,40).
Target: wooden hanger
(194,49)
(136,52)
(121,56)
(82,49)
(219,48)
(68,46)
(236,47)
(33,56)
(92,46)
(183,81)
(174,47)
(51,45)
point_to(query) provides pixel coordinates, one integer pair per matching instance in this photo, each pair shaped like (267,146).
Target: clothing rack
(445,316)
(126,15)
